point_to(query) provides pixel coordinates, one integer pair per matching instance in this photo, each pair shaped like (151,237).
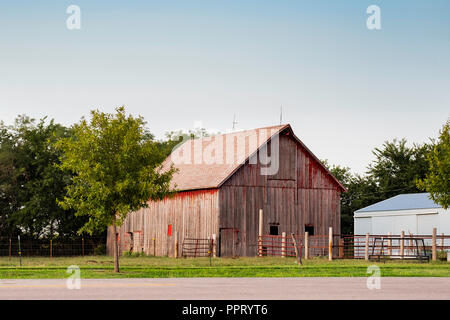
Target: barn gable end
(301,193)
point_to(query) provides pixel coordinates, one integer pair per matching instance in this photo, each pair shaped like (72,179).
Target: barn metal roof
(201,172)
(403,202)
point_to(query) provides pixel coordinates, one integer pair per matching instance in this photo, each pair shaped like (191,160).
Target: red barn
(223,181)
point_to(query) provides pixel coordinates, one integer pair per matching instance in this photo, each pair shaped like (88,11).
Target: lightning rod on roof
(234,121)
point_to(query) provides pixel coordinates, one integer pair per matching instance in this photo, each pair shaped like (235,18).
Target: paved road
(228,288)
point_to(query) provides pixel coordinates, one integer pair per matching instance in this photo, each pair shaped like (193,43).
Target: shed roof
(196,159)
(407,201)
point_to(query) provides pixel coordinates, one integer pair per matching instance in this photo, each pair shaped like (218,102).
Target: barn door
(229,242)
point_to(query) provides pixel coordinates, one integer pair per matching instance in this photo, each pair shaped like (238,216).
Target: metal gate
(197,248)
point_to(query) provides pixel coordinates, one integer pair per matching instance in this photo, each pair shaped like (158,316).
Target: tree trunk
(116,248)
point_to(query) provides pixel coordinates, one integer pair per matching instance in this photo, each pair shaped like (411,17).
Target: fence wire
(59,247)
(343,246)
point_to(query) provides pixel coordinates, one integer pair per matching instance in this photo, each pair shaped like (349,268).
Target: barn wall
(300,193)
(192,214)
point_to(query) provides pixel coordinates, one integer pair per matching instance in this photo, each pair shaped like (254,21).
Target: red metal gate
(279,246)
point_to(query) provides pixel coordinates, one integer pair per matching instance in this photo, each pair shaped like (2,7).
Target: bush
(442,255)
(133,254)
(100,250)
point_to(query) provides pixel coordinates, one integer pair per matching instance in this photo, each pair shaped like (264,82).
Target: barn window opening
(310,229)
(273,230)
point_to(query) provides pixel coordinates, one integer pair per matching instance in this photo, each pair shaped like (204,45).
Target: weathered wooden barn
(223,181)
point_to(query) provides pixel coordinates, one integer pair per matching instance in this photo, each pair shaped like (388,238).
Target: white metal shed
(412,213)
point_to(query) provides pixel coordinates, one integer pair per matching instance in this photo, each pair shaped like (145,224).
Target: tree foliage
(116,167)
(437,180)
(29,181)
(397,167)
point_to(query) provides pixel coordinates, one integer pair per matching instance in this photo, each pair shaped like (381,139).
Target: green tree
(116,167)
(8,182)
(437,180)
(29,181)
(397,167)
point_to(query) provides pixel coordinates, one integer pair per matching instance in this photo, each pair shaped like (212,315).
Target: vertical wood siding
(300,193)
(193,214)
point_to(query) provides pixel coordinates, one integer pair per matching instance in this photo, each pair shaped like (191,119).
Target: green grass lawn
(163,267)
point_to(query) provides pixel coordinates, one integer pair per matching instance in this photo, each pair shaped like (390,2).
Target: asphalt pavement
(229,288)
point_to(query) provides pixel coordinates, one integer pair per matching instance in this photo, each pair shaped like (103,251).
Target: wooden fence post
(51,249)
(442,241)
(411,247)
(402,244)
(433,245)
(283,244)
(389,244)
(297,254)
(175,247)
(82,246)
(154,247)
(330,243)
(366,249)
(306,245)
(260,232)
(20,251)
(341,248)
(9,248)
(214,253)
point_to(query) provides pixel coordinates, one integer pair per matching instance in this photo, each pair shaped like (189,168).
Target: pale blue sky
(344,89)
